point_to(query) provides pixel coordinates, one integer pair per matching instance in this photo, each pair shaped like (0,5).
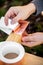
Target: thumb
(16,19)
(28,38)
(24,39)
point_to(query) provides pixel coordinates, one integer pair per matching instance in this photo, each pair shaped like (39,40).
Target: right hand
(19,13)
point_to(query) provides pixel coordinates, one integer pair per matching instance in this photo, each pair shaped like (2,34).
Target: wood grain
(28,59)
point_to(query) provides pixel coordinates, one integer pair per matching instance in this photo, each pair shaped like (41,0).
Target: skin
(42,13)
(34,39)
(21,13)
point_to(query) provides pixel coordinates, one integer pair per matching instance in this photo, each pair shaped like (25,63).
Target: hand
(19,13)
(33,39)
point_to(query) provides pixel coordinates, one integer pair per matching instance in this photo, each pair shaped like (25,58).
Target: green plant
(2,2)
(2,11)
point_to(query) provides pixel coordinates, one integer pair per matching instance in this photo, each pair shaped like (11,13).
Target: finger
(6,18)
(25,34)
(15,19)
(23,21)
(28,38)
(8,15)
(31,44)
(18,18)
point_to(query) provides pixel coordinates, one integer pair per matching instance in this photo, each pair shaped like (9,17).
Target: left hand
(32,39)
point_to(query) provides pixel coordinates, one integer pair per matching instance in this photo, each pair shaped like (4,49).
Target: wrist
(31,7)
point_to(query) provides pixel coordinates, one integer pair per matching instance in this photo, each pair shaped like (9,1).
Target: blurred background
(36,25)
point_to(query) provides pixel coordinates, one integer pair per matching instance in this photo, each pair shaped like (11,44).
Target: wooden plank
(28,59)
